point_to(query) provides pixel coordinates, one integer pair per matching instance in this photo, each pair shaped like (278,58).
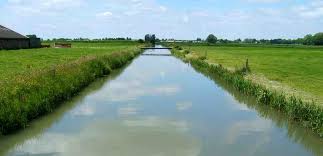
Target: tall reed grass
(29,96)
(308,114)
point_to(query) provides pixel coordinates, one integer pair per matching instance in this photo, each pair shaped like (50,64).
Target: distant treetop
(211,39)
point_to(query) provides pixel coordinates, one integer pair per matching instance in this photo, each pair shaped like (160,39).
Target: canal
(161,106)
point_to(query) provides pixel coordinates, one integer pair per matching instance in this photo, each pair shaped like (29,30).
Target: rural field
(161,78)
(60,94)
(35,81)
(292,69)
(13,62)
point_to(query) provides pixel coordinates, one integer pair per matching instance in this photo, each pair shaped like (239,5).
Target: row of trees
(87,39)
(316,39)
(150,38)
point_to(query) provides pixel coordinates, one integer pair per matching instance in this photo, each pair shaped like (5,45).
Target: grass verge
(295,70)
(308,114)
(28,96)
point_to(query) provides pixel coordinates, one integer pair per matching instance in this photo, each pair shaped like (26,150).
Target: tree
(237,40)
(318,39)
(211,39)
(150,38)
(153,39)
(199,39)
(141,41)
(147,38)
(250,40)
(308,39)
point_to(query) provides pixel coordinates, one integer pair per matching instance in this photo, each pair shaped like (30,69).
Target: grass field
(297,70)
(296,107)
(13,62)
(34,82)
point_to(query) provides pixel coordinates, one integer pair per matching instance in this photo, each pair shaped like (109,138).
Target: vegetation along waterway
(159,105)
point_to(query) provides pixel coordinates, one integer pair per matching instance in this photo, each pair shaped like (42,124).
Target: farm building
(10,39)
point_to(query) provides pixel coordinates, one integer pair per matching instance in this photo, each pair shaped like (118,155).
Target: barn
(10,39)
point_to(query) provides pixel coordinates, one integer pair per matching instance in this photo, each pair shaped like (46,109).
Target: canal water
(160,106)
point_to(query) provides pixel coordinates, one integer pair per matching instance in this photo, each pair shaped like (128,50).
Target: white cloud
(130,18)
(84,110)
(163,8)
(311,10)
(317,12)
(153,121)
(126,111)
(42,7)
(105,14)
(127,90)
(125,137)
(256,128)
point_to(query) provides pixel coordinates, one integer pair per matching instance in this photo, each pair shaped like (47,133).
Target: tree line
(87,39)
(316,39)
(150,38)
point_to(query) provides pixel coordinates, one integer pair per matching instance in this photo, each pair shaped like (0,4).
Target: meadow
(294,70)
(13,62)
(34,82)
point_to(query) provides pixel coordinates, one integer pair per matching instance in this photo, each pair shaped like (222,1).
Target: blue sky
(180,19)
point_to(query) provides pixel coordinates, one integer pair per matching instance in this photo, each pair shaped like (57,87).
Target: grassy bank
(308,114)
(294,70)
(37,89)
(294,131)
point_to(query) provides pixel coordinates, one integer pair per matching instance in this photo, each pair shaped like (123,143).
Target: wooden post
(247,65)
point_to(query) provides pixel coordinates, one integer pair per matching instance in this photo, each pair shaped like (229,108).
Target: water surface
(160,106)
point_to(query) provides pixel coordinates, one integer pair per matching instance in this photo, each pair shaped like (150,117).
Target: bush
(141,41)
(186,51)
(177,47)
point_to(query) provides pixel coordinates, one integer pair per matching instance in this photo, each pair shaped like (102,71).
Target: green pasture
(13,62)
(298,67)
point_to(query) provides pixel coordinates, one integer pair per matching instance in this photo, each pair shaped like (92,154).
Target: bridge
(156,54)
(156,48)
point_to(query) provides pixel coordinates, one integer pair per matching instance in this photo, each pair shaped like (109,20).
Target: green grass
(298,67)
(13,62)
(308,114)
(35,81)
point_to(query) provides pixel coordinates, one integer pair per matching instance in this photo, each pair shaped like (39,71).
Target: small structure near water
(156,48)
(62,45)
(10,39)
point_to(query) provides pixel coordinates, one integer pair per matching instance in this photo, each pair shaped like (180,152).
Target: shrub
(141,41)
(186,51)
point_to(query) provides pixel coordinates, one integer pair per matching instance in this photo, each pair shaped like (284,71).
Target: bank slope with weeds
(307,114)
(27,97)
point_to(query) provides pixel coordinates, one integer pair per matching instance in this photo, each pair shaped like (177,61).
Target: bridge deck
(156,48)
(157,54)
